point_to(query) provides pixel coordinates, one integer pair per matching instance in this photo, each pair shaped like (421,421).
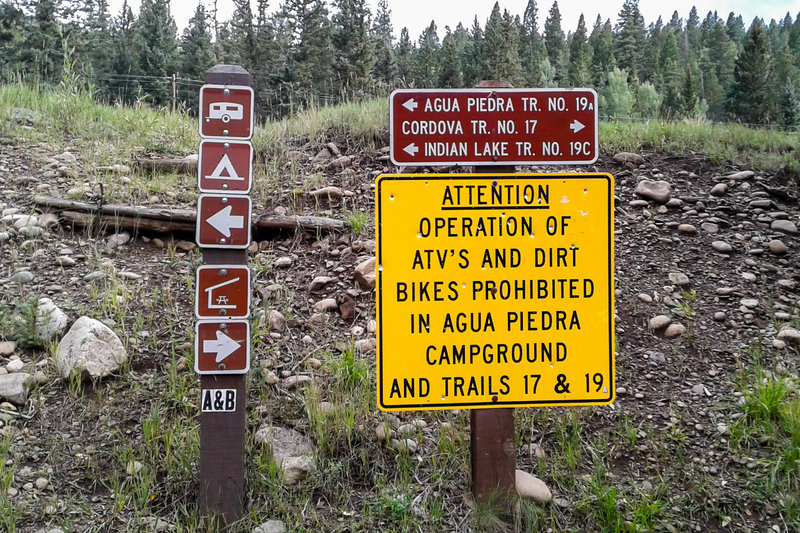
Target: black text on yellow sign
(494,290)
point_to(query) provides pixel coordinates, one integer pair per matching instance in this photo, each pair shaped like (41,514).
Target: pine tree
(309,49)
(450,74)
(630,39)
(404,59)
(124,64)
(385,68)
(555,43)
(669,76)
(789,105)
(602,42)
(352,45)
(12,38)
(474,56)
(501,40)
(426,65)
(197,51)
(97,41)
(580,60)
(242,35)
(692,33)
(156,47)
(735,29)
(531,46)
(43,44)
(749,99)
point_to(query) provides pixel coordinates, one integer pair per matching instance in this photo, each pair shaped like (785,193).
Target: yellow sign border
(384,178)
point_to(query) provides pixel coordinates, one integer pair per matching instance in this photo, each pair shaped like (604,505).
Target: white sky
(416,15)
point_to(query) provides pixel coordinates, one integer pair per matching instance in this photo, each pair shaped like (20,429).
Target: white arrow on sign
(223,221)
(576,126)
(223,346)
(411,105)
(411,149)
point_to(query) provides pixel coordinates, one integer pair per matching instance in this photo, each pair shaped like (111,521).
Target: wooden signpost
(222,353)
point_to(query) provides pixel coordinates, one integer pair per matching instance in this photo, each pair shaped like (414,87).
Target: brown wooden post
(492,435)
(221,472)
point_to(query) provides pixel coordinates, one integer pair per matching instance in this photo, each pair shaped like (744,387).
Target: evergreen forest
(316,52)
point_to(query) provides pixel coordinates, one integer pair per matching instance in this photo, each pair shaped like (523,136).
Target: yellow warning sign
(494,290)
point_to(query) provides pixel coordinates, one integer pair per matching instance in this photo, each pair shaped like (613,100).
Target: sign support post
(492,439)
(221,472)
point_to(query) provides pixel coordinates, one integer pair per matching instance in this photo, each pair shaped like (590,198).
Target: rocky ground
(706,279)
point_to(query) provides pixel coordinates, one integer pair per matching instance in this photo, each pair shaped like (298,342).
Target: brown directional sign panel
(223,291)
(222,347)
(493,126)
(226,111)
(223,221)
(225,166)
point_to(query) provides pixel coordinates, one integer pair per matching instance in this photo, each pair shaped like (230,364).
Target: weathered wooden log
(155,213)
(305,223)
(186,165)
(129,223)
(165,220)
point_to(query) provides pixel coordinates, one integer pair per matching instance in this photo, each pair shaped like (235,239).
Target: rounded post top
(228,75)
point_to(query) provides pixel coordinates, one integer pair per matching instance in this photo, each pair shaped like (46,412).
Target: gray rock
(318,283)
(270,526)
(529,486)
(21,277)
(7,348)
(48,220)
(719,189)
(91,348)
(674,330)
(777,247)
(659,191)
(94,276)
(365,274)
(15,365)
(679,278)
(65,261)
(687,228)
(51,321)
(659,322)
(31,232)
(743,175)
(14,387)
(785,226)
(404,445)
(789,334)
(292,451)
(283,262)
(629,157)
(118,239)
(750,303)
(722,247)
(328,304)
(276,321)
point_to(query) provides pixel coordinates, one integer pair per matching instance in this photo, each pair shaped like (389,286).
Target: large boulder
(91,348)
(365,274)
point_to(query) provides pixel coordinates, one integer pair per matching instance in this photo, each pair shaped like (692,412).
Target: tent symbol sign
(225,166)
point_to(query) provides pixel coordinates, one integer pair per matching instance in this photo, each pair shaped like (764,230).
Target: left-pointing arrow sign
(410,104)
(411,149)
(223,346)
(224,222)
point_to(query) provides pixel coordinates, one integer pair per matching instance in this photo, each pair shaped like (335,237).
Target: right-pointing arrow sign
(223,346)
(576,126)
(411,149)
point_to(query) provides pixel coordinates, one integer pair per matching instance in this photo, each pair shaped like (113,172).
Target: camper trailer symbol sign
(226,111)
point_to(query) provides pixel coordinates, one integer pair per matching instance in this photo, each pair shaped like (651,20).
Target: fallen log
(163,220)
(305,223)
(155,213)
(116,223)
